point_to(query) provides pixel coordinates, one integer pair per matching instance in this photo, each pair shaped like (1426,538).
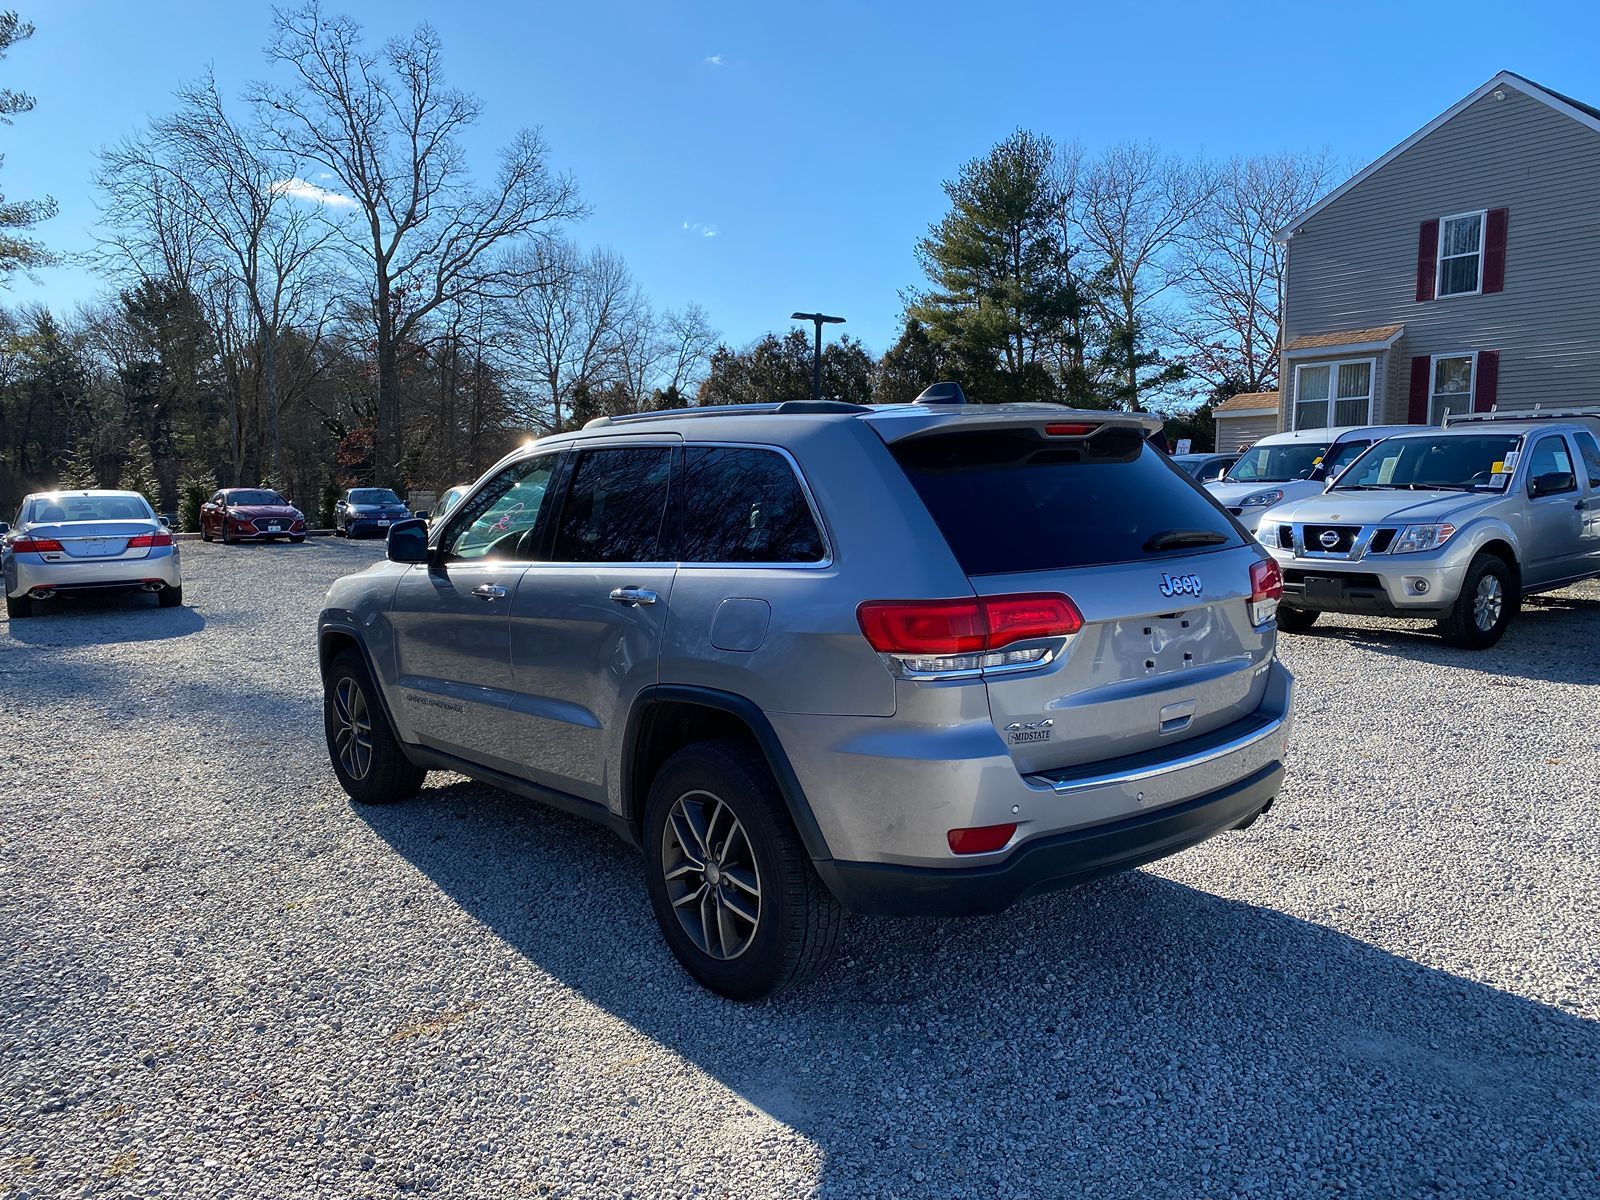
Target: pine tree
(139,471)
(79,471)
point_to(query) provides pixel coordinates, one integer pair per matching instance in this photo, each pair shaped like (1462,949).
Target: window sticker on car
(1386,472)
(1511,460)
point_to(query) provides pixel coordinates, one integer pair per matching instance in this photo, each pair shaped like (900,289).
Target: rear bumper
(26,572)
(1051,862)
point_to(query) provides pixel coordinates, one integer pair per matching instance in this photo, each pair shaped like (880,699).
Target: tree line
(310,286)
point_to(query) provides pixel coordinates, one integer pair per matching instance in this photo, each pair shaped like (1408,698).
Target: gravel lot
(221,980)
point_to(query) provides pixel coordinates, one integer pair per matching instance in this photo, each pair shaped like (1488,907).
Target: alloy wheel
(352,741)
(1488,603)
(711,874)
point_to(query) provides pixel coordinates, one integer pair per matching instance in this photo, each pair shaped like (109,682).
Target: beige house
(1451,275)
(1245,419)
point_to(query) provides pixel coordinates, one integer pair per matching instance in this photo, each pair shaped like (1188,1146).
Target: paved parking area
(221,980)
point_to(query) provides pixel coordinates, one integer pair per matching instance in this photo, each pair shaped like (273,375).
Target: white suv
(1292,466)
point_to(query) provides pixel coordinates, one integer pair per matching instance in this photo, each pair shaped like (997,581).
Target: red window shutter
(1421,373)
(1427,259)
(1486,387)
(1494,250)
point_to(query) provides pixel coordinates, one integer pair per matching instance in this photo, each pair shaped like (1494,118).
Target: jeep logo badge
(1329,538)
(1180,585)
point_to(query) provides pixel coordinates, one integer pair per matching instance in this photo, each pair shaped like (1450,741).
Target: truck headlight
(1259,499)
(1422,537)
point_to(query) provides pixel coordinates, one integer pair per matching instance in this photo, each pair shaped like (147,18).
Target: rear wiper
(1173,539)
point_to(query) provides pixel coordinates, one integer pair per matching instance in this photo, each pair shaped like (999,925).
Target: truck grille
(1330,539)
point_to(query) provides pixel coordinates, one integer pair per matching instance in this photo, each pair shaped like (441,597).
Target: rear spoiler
(902,423)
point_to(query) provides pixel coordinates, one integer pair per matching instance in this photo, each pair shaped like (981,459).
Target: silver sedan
(85,542)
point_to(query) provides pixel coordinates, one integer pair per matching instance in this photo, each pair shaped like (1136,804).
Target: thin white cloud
(700,228)
(714,60)
(324,174)
(302,189)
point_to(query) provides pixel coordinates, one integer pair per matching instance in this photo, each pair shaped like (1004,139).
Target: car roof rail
(1536,413)
(782,408)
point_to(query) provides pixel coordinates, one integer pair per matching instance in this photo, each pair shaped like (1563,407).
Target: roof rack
(1536,413)
(782,408)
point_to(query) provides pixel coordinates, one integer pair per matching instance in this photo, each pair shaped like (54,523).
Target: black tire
(1296,620)
(797,920)
(297,540)
(226,540)
(18,607)
(1465,626)
(170,597)
(204,536)
(389,775)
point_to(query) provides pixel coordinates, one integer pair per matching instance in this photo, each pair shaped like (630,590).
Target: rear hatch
(1168,649)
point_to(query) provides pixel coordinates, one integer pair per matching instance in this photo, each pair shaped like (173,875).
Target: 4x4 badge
(1180,585)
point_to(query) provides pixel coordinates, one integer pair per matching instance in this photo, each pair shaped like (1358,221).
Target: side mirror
(5,528)
(408,541)
(1553,483)
(166,522)
(421,514)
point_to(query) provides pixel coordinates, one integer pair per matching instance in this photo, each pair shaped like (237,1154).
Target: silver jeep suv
(811,656)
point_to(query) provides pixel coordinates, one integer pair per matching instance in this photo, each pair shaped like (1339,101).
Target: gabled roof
(1584,114)
(1247,402)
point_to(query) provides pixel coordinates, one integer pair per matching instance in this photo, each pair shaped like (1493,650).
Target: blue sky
(760,158)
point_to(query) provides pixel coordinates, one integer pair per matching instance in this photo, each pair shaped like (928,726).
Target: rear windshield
(1278,464)
(257,496)
(89,508)
(1018,501)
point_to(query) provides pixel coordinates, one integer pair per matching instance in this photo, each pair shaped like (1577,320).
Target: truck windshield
(1449,463)
(1277,464)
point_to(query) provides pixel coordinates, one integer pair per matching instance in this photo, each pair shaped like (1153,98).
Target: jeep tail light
(32,545)
(931,638)
(985,839)
(146,540)
(1266,589)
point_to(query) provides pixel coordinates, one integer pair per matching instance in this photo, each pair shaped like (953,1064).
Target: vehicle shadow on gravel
(1133,1037)
(74,621)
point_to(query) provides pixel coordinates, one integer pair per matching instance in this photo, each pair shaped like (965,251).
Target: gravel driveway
(221,980)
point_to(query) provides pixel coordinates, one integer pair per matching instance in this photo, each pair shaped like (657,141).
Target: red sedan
(250,514)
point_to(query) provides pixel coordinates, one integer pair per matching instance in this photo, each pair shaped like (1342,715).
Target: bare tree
(1233,267)
(1138,205)
(387,129)
(565,324)
(690,342)
(234,192)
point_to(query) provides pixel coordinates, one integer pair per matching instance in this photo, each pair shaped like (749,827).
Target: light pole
(819,320)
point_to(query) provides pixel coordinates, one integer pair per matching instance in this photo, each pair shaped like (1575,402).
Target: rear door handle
(489,591)
(634,595)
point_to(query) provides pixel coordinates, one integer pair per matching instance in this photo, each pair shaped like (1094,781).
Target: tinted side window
(745,506)
(615,507)
(500,521)
(1589,451)
(1019,501)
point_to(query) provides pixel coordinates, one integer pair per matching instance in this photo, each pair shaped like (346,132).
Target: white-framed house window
(1454,377)
(1461,254)
(1334,393)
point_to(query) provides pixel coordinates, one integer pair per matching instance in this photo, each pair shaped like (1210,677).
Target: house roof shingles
(1247,402)
(1349,337)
